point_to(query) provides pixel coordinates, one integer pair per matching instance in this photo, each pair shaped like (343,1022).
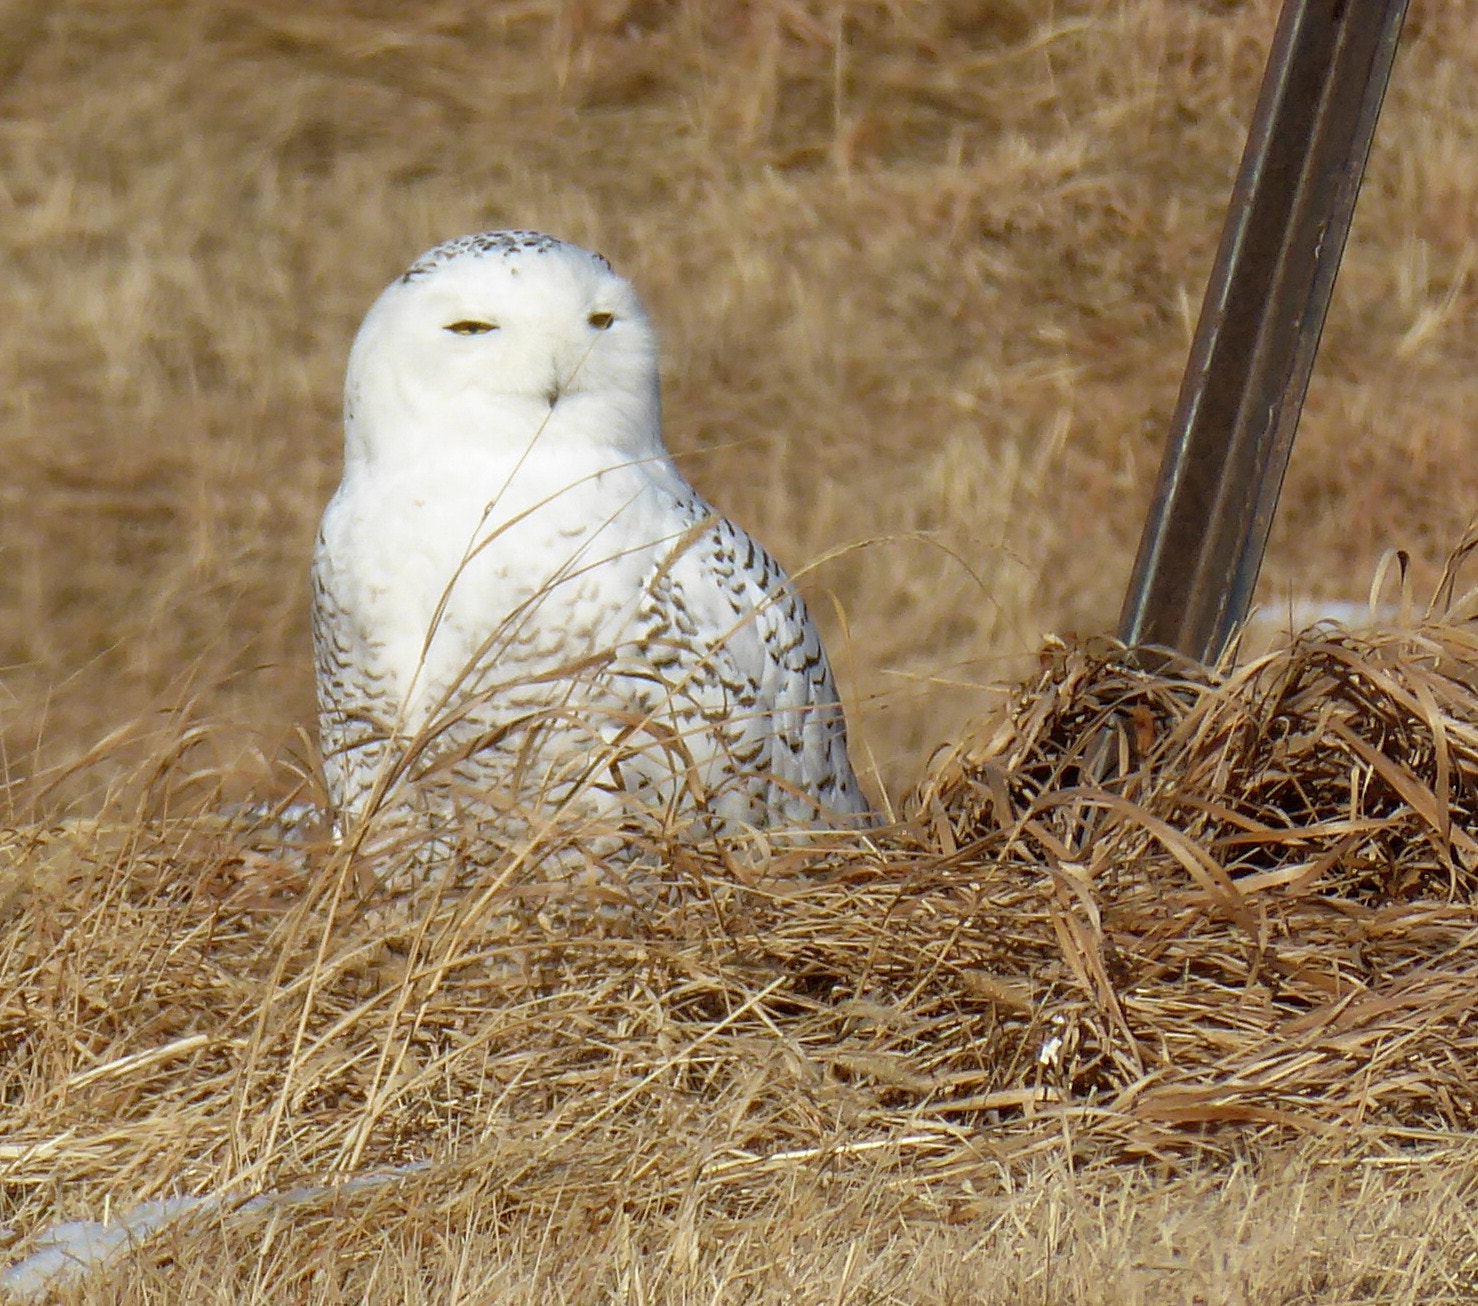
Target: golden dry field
(925,276)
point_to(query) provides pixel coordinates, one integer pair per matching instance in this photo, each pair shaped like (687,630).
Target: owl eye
(601,321)
(471,328)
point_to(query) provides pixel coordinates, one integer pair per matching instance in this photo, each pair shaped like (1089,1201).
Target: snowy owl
(520,604)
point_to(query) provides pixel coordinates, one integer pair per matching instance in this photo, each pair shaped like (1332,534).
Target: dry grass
(1166,918)
(926,275)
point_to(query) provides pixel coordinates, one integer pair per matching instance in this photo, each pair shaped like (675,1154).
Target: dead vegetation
(1158,990)
(1171,916)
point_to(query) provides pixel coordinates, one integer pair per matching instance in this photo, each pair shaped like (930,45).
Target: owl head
(494,339)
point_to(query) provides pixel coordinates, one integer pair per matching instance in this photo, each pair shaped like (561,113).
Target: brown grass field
(925,275)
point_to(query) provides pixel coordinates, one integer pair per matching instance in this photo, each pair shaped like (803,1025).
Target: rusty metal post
(1254,346)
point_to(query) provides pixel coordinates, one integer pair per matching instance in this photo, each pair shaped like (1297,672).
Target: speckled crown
(484,244)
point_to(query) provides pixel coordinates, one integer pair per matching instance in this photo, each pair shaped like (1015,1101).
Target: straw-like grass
(1158,989)
(1140,914)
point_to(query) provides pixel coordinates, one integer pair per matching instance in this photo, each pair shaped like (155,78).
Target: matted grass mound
(1145,912)
(1257,886)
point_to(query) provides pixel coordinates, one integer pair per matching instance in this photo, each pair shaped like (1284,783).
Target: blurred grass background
(925,275)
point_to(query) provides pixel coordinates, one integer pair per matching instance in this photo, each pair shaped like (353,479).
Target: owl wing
(356,705)
(728,631)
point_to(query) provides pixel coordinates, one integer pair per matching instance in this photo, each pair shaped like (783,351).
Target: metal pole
(1254,346)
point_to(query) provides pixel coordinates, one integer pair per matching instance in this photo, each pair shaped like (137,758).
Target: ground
(925,276)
